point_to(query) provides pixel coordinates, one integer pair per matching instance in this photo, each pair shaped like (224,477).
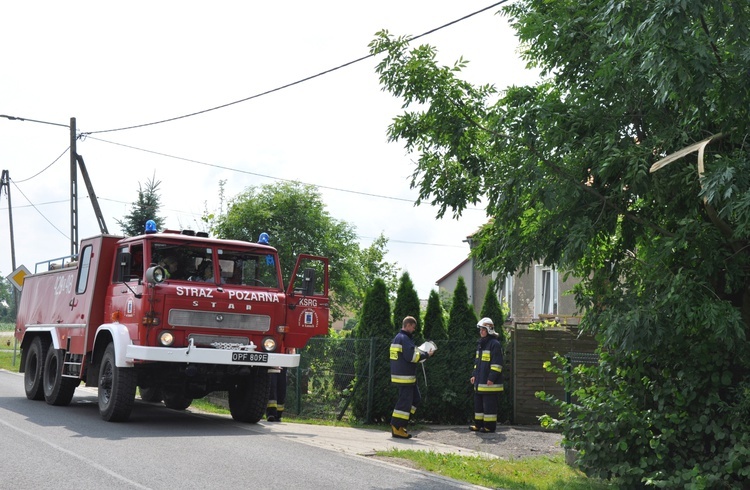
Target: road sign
(16,277)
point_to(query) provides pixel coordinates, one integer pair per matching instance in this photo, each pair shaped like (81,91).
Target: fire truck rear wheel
(32,377)
(58,390)
(249,398)
(116,388)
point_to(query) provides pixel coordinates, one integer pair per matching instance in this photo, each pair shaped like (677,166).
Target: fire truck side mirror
(155,274)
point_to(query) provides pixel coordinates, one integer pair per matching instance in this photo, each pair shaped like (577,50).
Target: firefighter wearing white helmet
(487,377)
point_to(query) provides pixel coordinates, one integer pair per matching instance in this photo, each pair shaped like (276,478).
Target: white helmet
(487,323)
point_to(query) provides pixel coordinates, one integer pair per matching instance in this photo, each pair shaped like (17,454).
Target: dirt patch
(508,442)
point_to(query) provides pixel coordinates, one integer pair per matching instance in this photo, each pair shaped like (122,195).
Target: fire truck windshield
(191,262)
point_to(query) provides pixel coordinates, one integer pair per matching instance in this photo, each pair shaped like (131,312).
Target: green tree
(295,217)
(374,332)
(567,169)
(462,321)
(7,302)
(407,304)
(374,265)
(491,308)
(435,387)
(434,319)
(458,354)
(146,207)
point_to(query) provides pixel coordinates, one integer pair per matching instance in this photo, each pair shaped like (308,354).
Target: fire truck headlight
(166,339)
(269,344)
(155,274)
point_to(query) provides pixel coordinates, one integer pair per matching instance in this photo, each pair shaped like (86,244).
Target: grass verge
(539,473)
(6,357)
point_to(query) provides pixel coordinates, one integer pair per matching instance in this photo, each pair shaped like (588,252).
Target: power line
(292,84)
(38,211)
(222,167)
(45,168)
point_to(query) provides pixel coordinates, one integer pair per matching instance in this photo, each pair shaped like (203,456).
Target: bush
(679,425)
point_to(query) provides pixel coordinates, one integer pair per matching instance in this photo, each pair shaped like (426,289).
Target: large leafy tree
(567,171)
(296,219)
(145,207)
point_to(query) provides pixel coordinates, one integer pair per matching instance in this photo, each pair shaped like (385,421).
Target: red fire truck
(175,315)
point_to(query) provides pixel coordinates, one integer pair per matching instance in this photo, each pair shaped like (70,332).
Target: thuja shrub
(643,422)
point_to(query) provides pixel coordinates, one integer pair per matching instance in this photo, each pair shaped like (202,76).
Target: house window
(545,290)
(506,293)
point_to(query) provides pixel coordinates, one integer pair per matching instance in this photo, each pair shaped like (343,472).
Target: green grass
(538,473)
(6,358)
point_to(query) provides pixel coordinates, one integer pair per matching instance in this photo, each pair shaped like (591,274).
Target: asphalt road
(46,447)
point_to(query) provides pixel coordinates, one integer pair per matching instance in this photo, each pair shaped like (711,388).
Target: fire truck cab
(176,315)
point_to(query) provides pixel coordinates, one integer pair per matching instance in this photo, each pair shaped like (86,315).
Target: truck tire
(176,401)
(116,388)
(57,389)
(32,377)
(248,399)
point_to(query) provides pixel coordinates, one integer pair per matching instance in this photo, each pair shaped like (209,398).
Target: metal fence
(326,383)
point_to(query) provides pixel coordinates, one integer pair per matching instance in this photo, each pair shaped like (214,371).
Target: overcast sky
(115,65)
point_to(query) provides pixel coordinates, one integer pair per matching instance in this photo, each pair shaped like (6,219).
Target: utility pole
(73,189)
(5,184)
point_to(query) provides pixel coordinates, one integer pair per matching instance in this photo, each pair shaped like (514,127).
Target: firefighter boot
(399,432)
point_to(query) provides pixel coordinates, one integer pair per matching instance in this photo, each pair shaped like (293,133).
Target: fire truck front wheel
(116,388)
(32,377)
(58,390)
(249,397)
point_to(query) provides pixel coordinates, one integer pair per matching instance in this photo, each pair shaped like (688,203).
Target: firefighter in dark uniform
(276,394)
(487,378)
(404,360)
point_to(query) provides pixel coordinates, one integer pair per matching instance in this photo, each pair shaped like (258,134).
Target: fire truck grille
(211,319)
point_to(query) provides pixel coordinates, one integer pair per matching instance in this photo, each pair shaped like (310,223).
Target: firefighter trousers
(485,410)
(276,395)
(408,401)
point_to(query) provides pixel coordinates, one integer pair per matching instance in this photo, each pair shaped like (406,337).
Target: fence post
(370,380)
(299,391)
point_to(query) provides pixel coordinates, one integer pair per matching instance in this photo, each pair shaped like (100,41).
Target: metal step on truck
(174,314)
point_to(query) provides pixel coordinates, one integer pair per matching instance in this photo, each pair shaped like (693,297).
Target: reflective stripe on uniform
(395,349)
(490,418)
(486,355)
(415,357)
(496,367)
(398,414)
(403,379)
(484,388)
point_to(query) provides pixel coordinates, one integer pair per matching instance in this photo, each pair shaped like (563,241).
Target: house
(539,294)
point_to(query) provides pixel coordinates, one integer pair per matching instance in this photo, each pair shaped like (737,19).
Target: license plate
(250,356)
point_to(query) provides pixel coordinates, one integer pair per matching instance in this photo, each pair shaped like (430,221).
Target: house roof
(453,270)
